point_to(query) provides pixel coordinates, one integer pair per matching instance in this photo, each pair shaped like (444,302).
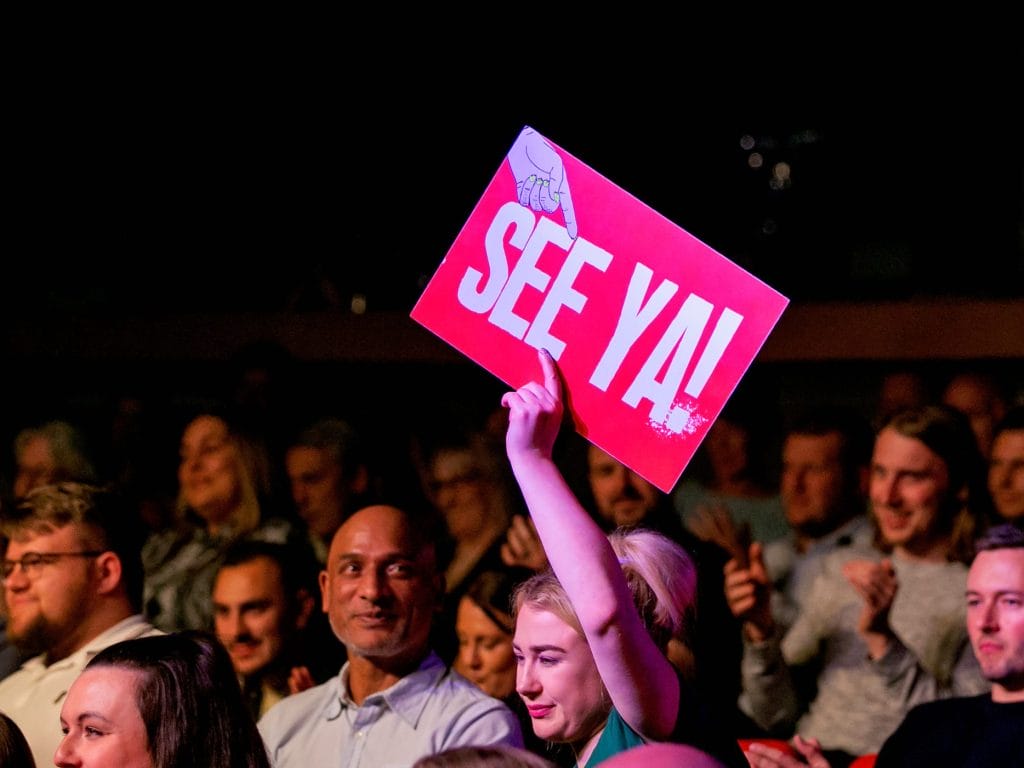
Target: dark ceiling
(266,190)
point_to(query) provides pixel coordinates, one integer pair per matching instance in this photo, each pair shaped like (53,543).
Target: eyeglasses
(32,562)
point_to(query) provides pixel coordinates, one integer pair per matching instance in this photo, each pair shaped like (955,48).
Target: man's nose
(372,584)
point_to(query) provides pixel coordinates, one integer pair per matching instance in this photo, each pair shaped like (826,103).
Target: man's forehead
(378,531)
(26,537)
(1006,564)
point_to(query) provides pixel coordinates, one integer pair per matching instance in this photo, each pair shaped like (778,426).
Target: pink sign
(651,328)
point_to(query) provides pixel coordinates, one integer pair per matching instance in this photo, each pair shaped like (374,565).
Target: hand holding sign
(541,182)
(535,412)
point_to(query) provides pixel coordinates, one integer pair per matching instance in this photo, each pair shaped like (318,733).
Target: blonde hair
(661,577)
(253,467)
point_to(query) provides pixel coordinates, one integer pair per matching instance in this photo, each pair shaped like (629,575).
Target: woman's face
(557,679)
(208,473)
(485,651)
(101,722)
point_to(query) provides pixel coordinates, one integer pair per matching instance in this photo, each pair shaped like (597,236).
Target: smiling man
(73,586)
(394,700)
(262,604)
(880,634)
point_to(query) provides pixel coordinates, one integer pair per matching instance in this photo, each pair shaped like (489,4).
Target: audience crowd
(843,583)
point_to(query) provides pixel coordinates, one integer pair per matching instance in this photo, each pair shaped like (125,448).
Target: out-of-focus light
(358,304)
(782,176)
(747,142)
(769,226)
(755,160)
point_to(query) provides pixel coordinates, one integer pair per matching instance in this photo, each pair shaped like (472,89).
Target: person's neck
(367,676)
(585,749)
(98,620)
(924,550)
(807,536)
(1004,695)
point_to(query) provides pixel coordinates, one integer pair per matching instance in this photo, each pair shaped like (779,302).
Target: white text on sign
(502,289)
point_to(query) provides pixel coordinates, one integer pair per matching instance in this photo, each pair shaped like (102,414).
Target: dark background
(192,164)
(192,177)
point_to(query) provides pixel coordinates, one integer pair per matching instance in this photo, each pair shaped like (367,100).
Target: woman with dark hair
(169,701)
(14,750)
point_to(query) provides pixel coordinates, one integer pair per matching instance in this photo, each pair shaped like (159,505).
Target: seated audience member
(899,390)
(730,471)
(159,701)
(264,597)
(483,625)
(709,653)
(1006,467)
(465,482)
(223,486)
(979,397)
(591,635)
(73,586)
(885,633)
(50,453)
(394,700)
(328,477)
(14,750)
(823,484)
(983,730)
(498,756)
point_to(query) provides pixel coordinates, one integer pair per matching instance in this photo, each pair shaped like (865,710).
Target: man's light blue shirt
(426,712)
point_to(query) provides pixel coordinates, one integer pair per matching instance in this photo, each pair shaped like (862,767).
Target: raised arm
(640,680)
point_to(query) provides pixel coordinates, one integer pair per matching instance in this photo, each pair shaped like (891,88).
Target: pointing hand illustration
(540,177)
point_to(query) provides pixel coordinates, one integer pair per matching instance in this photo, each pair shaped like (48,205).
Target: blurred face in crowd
(209,470)
(461,493)
(995,619)
(318,488)
(252,615)
(101,722)
(623,498)
(812,482)
(977,399)
(1006,473)
(728,449)
(36,467)
(908,488)
(381,586)
(485,650)
(47,606)
(557,678)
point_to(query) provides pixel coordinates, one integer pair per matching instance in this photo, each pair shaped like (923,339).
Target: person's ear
(325,597)
(109,572)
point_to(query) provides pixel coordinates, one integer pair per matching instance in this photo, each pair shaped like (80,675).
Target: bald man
(394,700)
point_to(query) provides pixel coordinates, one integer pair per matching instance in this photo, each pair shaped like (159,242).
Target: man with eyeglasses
(72,581)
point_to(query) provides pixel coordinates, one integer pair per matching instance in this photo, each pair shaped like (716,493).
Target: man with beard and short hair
(394,700)
(72,585)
